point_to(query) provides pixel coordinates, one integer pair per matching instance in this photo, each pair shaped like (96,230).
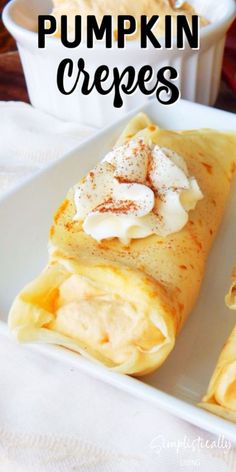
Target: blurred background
(12,82)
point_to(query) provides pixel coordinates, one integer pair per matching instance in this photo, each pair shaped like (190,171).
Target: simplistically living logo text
(161,443)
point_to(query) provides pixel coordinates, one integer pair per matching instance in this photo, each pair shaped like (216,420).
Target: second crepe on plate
(128,248)
(220,398)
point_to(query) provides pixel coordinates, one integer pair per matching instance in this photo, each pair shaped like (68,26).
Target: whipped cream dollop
(137,190)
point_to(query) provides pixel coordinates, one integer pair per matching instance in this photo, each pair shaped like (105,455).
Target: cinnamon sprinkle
(118,206)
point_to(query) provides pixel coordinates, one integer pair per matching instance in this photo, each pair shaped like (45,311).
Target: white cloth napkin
(53,418)
(30,139)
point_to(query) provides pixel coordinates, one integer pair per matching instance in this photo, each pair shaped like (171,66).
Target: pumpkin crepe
(221,394)
(123,303)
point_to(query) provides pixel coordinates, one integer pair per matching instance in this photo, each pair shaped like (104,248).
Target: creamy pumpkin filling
(102,321)
(99,8)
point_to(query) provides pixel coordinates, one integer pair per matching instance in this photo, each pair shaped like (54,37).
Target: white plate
(25,216)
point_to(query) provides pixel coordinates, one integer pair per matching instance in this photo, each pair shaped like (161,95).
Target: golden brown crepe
(132,300)
(221,394)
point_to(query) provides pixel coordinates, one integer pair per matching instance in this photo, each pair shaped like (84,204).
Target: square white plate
(25,217)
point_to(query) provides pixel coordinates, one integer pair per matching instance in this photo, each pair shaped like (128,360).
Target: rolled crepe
(221,394)
(131,301)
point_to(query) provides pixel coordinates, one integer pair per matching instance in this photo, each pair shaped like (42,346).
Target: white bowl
(199,71)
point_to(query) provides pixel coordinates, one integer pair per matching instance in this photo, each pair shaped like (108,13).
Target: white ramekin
(199,71)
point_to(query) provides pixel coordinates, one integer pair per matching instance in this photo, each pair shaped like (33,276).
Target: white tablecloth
(52,416)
